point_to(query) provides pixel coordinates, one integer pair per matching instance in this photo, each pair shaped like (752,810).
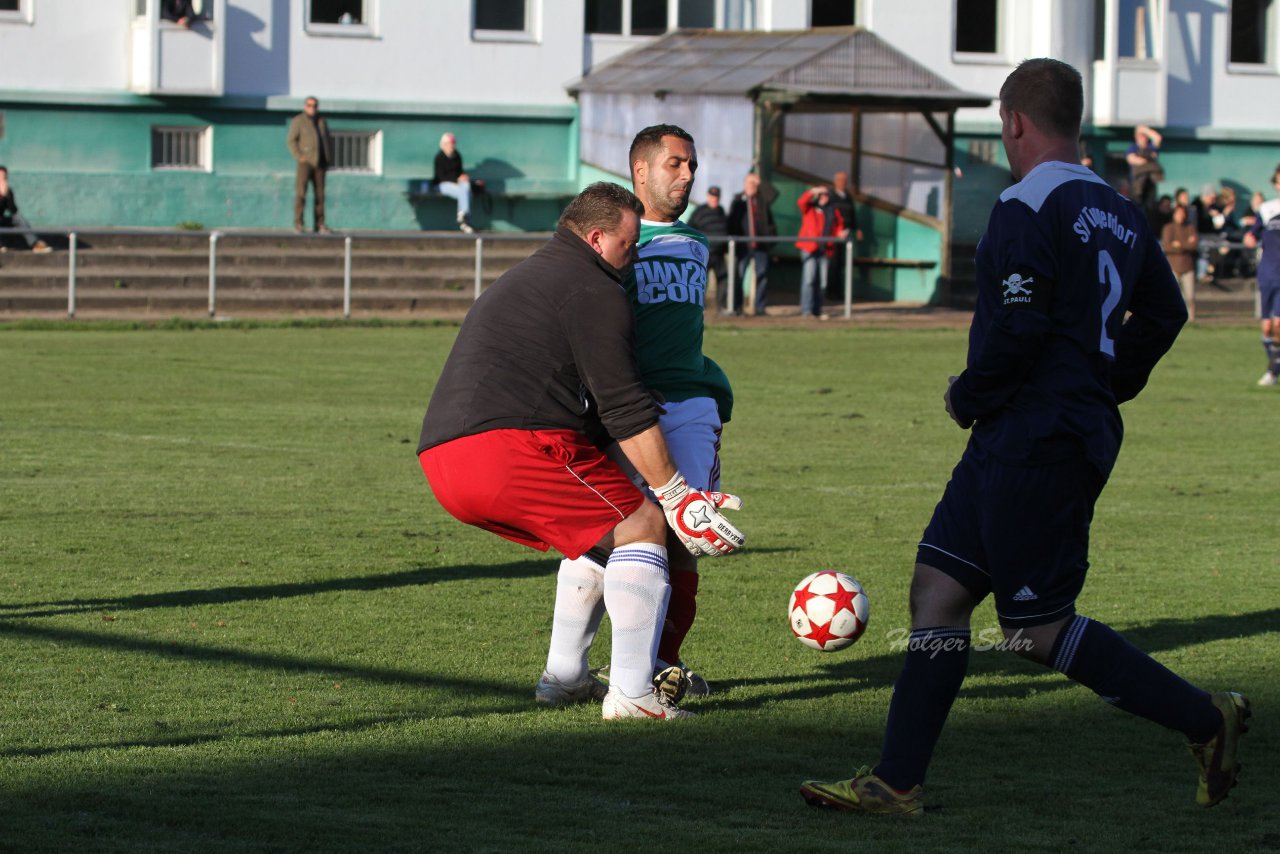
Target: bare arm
(647,451)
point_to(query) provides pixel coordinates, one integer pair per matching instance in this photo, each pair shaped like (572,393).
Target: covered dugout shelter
(798,106)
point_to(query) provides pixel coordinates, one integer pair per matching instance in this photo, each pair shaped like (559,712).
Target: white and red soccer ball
(828,611)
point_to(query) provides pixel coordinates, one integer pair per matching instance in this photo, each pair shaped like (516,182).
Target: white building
(112,115)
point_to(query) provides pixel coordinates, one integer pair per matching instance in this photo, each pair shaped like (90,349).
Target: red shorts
(540,488)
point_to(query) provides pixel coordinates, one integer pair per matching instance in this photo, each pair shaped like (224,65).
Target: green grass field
(234,619)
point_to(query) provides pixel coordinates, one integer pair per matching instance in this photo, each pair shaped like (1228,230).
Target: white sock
(579,607)
(635,593)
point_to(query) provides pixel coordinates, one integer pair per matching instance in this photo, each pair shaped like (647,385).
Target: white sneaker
(1267,379)
(466,227)
(618,705)
(552,692)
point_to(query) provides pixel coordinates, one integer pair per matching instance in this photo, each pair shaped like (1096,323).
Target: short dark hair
(649,140)
(1049,92)
(4,169)
(599,206)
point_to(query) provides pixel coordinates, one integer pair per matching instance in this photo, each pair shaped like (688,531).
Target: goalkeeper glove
(695,517)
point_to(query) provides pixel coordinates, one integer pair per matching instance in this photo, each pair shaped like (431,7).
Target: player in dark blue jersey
(1266,232)
(1076,304)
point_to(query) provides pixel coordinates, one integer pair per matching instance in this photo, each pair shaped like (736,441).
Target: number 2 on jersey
(1109,281)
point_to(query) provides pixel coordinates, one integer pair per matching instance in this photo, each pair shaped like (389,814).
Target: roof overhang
(838,65)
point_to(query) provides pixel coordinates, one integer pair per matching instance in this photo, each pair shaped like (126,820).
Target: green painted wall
(1189,161)
(87,165)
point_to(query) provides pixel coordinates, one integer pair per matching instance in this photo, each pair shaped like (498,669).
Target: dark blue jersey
(1267,228)
(1051,353)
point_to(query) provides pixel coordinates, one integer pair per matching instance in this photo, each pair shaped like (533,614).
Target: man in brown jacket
(310,145)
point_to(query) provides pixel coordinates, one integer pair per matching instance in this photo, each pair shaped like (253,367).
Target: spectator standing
(1161,214)
(1182,196)
(818,218)
(312,147)
(1181,245)
(452,180)
(1229,259)
(711,219)
(10,218)
(1210,224)
(1265,232)
(1249,217)
(1086,159)
(842,198)
(750,217)
(1145,171)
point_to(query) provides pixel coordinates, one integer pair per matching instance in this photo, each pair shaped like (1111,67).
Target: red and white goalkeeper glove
(695,517)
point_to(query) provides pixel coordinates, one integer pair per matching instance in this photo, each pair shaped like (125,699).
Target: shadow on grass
(557,781)
(497,697)
(420,575)
(851,674)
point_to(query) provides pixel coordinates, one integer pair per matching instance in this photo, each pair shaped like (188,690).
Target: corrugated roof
(847,62)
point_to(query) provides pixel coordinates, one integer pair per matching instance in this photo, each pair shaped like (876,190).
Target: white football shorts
(692,430)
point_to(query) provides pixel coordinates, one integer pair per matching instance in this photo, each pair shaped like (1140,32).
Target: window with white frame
(503,20)
(201,10)
(340,17)
(977,26)
(187,148)
(1135,32)
(15,10)
(336,12)
(358,151)
(832,13)
(1252,24)
(647,17)
(696,14)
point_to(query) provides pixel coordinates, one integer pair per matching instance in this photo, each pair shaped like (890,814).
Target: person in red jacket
(820,218)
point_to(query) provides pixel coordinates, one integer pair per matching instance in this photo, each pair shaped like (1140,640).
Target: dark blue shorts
(1268,299)
(1018,531)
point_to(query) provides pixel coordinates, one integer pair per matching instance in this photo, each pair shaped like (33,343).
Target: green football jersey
(668,287)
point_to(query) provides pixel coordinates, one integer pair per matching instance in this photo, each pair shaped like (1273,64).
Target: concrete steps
(140,275)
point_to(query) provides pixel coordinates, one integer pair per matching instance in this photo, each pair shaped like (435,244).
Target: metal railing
(215,237)
(1207,250)
(731,265)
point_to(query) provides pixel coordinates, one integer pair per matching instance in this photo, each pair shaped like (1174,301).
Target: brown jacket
(1182,258)
(303,144)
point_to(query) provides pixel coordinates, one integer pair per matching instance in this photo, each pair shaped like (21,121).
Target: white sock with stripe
(579,607)
(636,590)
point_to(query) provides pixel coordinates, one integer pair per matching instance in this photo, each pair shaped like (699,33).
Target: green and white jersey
(668,289)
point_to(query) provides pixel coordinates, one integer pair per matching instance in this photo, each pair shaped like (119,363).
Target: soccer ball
(828,611)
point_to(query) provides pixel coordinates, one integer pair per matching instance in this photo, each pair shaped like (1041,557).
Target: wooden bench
(877,263)
(908,263)
(509,191)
